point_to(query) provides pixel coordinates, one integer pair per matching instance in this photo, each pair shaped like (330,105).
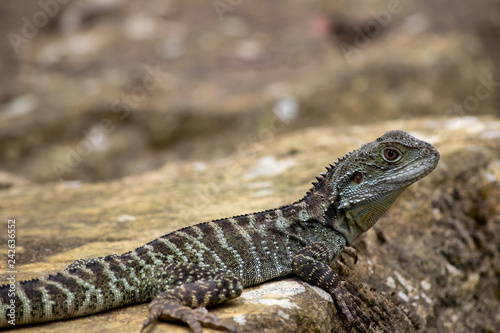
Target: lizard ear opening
(357,177)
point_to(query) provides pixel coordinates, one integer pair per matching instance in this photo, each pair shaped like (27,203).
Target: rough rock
(431,263)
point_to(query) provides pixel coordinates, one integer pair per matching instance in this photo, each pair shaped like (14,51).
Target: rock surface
(430,264)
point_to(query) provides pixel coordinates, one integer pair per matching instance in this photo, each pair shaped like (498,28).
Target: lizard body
(211,262)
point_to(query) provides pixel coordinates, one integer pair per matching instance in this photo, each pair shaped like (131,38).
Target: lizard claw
(195,318)
(354,314)
(351,252)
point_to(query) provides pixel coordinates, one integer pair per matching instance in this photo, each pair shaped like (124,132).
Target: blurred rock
(338,62)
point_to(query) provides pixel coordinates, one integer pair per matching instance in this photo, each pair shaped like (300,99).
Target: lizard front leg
(187,302)
(311,265)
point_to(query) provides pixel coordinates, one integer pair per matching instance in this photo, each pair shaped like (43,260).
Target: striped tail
(85,287)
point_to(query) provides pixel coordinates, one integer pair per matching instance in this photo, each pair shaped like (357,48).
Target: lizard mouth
(422,169)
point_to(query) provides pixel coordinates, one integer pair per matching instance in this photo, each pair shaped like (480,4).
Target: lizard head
(366,182)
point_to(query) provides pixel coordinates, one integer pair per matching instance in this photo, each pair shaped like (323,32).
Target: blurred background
(99,89)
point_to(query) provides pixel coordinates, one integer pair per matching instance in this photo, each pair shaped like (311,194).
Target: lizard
(185,271)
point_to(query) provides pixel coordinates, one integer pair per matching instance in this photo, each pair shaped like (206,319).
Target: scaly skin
(210,263)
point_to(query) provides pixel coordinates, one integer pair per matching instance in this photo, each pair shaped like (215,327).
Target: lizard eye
(391,155)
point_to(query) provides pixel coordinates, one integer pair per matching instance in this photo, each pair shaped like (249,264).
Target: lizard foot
(170,310)
(346,302)
(351,252)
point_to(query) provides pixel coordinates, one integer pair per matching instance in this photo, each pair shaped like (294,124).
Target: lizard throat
(363,215)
